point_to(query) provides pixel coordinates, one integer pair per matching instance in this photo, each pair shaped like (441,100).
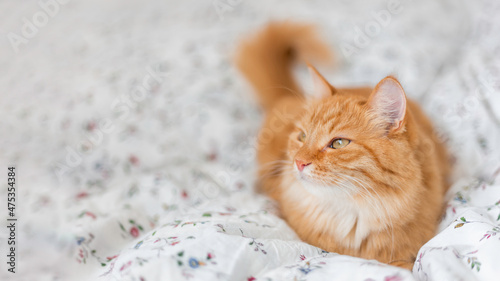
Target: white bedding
(133,136)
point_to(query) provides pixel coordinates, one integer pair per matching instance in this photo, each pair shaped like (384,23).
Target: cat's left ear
(321,87)
(388,100)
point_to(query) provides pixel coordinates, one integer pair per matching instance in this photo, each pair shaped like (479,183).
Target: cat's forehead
(333,114)
(328,110)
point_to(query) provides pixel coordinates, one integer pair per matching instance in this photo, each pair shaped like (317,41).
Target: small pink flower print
(125,266)
(184,194)
(251,278)
(393,278)
(133,160)
(65,124)
(302,257)
(240,185)
(44,200)
(134,231)
(90,214)
(210,256)
(110,258)
(91,126)
(487,236)
(81,195)
(212,156)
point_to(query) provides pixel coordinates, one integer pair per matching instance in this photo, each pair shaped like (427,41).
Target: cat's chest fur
(329,211)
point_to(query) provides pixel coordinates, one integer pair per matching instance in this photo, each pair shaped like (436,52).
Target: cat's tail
(266,59)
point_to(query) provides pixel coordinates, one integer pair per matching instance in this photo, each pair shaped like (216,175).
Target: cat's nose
(301,164)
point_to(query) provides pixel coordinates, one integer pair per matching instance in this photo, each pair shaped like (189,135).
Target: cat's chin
(306,179)
(320,189)
(309,182)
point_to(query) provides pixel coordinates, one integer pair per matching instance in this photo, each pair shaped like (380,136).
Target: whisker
(297,94)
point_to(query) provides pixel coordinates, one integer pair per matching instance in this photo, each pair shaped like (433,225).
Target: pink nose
(301,164)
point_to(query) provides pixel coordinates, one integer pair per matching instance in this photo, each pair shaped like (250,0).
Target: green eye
(302,137)
(339,143)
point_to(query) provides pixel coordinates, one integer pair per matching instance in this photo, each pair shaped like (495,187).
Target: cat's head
(347,138)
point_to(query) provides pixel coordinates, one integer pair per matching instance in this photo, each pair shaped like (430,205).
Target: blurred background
(122,116)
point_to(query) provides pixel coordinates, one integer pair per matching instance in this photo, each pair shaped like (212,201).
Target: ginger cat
(355,171)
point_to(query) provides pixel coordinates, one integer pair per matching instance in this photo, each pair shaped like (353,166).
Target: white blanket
(134,136)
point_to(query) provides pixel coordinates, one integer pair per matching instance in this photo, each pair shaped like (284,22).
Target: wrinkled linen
(134,137)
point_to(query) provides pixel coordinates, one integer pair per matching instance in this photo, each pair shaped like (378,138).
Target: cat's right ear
(388,100)
(321,87)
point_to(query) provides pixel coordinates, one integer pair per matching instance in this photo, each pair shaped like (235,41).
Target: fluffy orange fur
(355,171)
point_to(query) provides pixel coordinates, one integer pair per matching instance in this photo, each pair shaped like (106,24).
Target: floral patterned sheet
(134,136)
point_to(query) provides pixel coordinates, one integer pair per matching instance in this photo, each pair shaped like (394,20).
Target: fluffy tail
(266,59)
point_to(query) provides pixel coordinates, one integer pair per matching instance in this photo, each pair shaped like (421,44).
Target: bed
(134,136)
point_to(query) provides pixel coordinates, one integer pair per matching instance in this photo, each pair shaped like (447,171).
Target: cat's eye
(339,143)
(302,137)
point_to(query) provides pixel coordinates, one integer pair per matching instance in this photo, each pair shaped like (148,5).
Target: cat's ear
(321,87)
(388,100)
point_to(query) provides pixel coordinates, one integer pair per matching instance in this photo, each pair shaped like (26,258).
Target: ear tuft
(321,86)
(388,100)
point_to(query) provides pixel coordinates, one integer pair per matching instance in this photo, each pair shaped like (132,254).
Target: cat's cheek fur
(292,148)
